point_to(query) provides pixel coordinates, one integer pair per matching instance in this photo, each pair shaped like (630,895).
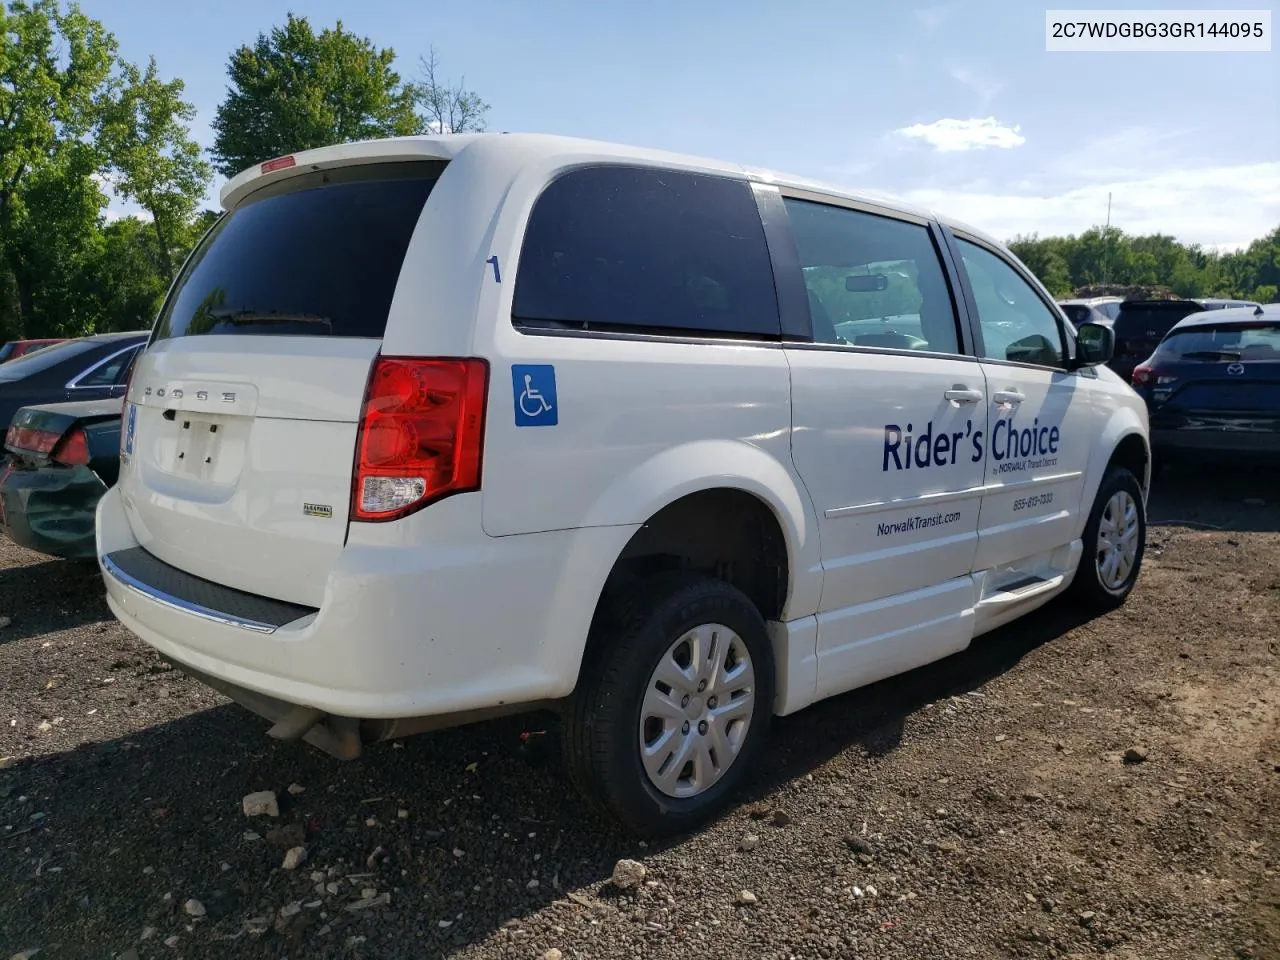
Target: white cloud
(1219,206)
(933,17)
(982,85)
(950,135)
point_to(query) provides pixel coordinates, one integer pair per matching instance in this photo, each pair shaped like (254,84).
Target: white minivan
(431,429)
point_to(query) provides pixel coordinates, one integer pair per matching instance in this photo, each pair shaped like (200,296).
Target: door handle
(962,394)
(1008,397)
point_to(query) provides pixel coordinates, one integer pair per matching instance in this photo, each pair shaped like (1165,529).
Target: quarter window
(109,373)
(647,250)
(1016,324)
(872,281)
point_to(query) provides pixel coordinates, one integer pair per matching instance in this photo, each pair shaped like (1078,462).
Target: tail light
(421,435)
(71,449)
(1146,375)
(1150,377)
(128,382)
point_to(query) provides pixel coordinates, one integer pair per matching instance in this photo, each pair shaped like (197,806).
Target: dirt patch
(1066,788)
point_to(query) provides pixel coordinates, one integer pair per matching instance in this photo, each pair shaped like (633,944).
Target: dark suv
(1142,324)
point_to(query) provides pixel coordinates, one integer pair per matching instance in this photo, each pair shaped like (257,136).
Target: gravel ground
(981,807)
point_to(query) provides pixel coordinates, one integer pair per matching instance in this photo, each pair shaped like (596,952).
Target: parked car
(1142,324)
(1213,386)
(61,458)
(87,368)
(441,427)
(1108,307)
(19,348)
(1081,313)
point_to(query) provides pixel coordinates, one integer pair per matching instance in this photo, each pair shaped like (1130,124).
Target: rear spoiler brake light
(279,163)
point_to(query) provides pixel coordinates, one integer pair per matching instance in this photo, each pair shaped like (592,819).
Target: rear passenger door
(889,421)
(1042,423)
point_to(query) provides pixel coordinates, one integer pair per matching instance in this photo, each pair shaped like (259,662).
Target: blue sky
(956,105)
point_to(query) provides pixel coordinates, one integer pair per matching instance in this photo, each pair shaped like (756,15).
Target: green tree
(296,89)
(1044,260)
(53,239)
(155,162)
(54,65)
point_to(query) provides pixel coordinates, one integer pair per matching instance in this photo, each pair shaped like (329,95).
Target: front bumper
(434,619)
(51,509)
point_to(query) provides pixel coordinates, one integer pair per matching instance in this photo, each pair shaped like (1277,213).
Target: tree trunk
(26,301)
(166,260)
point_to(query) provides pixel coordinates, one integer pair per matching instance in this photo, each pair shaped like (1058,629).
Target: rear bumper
(1263,442)
(469,623)
(51,510)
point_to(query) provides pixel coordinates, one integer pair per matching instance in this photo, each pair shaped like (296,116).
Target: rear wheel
(1114,542)
(673,703)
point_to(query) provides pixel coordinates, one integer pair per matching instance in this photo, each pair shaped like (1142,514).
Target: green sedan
(60,459)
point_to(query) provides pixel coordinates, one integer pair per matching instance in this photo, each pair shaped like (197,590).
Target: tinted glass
(109,373)
(1150,321)
(316,255)
(624,248)
(6,350)
(872,281)
(1016,324)
(1077,313)
(1255,341)
(38,361)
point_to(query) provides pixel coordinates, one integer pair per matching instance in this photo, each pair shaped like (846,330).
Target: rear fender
(723,464)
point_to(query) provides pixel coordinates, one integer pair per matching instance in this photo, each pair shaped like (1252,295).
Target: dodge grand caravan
(431,429)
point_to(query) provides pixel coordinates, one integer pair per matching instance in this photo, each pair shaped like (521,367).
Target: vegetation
(78,122)
(1072,265)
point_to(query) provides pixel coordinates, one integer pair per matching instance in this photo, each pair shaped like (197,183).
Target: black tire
(1088,585)
(602,719)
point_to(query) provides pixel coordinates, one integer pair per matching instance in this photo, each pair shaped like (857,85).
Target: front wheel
(674,700)
(1114,542)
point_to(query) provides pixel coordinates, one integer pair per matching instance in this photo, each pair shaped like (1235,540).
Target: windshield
(38,361)
(314,255)
(1238,342)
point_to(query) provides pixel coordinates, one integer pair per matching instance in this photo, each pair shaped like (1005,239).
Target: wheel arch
(721,468)
(1123,441)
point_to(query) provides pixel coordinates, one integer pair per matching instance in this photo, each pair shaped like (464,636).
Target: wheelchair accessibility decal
(131,426)
(534,388)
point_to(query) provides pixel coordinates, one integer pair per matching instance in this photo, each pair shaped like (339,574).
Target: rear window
(1077,313)
(314,255)
(38,361)
(1148,321)
(1237,342)
(646,250)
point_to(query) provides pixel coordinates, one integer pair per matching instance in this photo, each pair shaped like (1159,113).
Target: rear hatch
(1218,376)
(1141,325)
(242,414)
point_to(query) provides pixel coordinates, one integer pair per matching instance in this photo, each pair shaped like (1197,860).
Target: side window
(1016,324)
(872,281)
(109,373)
(630,248)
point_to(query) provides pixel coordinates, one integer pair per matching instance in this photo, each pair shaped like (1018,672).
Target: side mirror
(1095,345)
